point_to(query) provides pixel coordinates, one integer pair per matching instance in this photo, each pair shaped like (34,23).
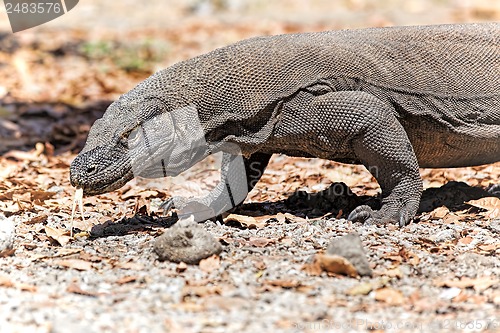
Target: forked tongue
(77,199)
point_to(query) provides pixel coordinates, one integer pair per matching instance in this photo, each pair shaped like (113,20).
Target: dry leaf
(90,257)
(7,253)
(283,283)
(128,265)
(361,289)
(394,257)
(181,267)
(389,296)
(439,212)
(77,264)
(286,241)
(187,307)
(6,282)
(201,291)
(75,289)
(490,204)
(210,264)
(126,279)
(281,218)
(59,235)
(294,219)
(26,287)
(479,284)
(466,240)
(139,192)
(260,265)
(394,272)
(22,155)
(495,298)
(489,247)
(260,241)
(409,256)
(330,264)
(37,219)
(41,195)
(245,221)
(451,218)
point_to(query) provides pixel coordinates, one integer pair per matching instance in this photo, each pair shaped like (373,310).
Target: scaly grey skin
(392,99)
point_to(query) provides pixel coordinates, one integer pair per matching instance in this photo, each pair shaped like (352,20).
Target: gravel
(255,288)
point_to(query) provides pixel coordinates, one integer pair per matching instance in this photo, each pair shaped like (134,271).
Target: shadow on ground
(329,202)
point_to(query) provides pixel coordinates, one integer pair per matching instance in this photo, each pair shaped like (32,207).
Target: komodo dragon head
(140,134)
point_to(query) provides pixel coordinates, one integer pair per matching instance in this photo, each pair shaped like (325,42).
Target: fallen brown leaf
(77,264)
(260,241)
(7,253)
(245,221)
(281,218)
(75,289)
(181,267)
(23,156)
(330,264)
(6,282)
(260,265)
(37,219)
(201,291)
(210,264)
(466,240)
(283,283)
(59,235)
(128,265)
(490,204)
(495,298)
(294,219)
(439,212)
(394,272)
(479,284)
(90,257)
(126,279)
(360,289)
(26,287)
(41,195)
(489,247)
(389,296)
(188,307)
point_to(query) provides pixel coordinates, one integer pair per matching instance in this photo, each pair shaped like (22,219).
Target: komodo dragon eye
(133,135)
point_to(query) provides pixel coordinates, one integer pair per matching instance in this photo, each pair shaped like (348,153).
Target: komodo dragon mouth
(114,184)
(96,188)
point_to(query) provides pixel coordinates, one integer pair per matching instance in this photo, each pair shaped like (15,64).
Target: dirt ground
(440,273)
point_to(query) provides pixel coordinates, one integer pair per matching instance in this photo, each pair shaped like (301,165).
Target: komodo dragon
(392,99)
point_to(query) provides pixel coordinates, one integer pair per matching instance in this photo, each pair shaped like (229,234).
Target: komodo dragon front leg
(355,125)
(231,191)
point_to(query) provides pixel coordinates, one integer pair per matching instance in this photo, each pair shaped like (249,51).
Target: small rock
(444,235)
(450,293)
(7,232)
(350,247)
(495,225)
(186,241)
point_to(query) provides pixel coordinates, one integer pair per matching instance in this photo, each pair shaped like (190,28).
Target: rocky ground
(273,269)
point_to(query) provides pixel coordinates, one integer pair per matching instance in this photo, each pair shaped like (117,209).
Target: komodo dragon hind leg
(230,192)
(381,144)
(357,125)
